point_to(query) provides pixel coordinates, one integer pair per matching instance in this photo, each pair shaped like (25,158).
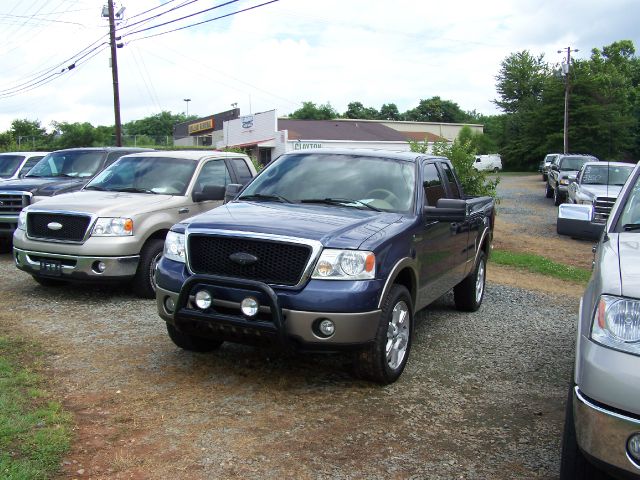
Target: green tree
(309,111)
(435,109)
(358,111)
(158,125)
(389,111)
(520,81)
(28,133)
(69,135)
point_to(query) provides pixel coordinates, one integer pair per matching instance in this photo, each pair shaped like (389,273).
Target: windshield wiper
(345,202)
(95,187)
(134,190)
(260,196)
(631,226)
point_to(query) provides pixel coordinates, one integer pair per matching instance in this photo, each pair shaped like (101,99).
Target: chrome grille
(602,208)
(72,227)
(11,203)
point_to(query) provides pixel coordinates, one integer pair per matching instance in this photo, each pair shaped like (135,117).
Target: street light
(187,100)
(565,72)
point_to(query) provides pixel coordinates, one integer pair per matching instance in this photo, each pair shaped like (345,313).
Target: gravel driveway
(482,395)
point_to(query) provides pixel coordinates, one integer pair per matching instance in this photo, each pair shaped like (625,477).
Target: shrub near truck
(325,250)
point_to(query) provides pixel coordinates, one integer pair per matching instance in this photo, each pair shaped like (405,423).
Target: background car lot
(482,397)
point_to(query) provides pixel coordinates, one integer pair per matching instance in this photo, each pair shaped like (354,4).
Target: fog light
(169,304)
(203,299)
(101,267)
(633,447)
(326,327)
(250,306)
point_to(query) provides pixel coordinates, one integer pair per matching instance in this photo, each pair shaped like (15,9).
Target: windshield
(162,175)
(574,163)
(77,164)
(630,218)
(604,175)
(9,164)
(343,180)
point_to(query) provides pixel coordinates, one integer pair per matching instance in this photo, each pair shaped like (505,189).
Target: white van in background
(491,162)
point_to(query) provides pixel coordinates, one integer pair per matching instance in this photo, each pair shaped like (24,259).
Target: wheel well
(159,235)
(407,279)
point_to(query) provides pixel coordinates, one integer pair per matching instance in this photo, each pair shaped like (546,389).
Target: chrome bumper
(78,267)
(351,328)
(603,434)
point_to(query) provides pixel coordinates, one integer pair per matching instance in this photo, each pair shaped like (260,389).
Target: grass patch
(34,430)
(539,264)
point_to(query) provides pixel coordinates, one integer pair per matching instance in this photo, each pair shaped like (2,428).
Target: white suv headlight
(345,265)
(112,227)
(22,220)
(616,323)
(174,247)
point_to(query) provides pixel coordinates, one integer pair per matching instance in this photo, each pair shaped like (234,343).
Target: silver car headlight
(345,265)
(112,227)
(616,323)
(174,247)
(564,181)
(22,220)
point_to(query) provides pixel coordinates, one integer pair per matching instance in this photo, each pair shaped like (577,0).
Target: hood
(611,191)
(334,227)
(567,173)
(44,186)
(107,204)
(629,251)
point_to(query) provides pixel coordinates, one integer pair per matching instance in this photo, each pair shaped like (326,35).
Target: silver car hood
(611,191)
(629,251)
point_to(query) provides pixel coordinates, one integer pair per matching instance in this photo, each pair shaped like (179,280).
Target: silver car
(14,165)
(602,426)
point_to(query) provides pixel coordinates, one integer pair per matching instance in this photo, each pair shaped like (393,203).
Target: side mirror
(447,210)
(209,192)
(554,167)
(231,191)
(576,221)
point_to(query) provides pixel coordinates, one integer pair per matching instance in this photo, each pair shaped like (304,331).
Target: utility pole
(565,72)
(114,73)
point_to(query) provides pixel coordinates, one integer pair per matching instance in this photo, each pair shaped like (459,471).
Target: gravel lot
(482,395)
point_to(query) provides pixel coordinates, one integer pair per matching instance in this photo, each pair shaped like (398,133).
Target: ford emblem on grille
(54,226)
(243,258)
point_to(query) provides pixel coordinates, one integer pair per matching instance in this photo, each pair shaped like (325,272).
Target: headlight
(174,246)
(22,220)
(345,265)
(564,181)
(616,324)
(112,227)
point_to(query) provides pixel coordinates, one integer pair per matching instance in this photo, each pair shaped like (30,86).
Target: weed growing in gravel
(539,264)
(34,430)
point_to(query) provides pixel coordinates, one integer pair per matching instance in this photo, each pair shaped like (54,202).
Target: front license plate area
(51,268)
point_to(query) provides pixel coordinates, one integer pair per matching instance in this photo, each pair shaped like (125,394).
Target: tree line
(604,113)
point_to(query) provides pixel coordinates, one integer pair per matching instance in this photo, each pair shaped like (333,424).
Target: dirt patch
(504,275)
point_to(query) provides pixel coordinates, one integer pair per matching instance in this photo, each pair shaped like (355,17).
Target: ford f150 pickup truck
(325,250)
(59,172)
(602,424)
(114,229)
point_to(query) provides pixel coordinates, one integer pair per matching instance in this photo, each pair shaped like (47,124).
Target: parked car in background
(562,168)
(328,249)
(602,424)
(15,165)
(58,172)
(545,164)
(114,229)
(491,163)
(598,184)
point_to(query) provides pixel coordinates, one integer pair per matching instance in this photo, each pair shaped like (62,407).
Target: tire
(548,191)
(573,463)
(48,282)
(496,170)
(144,284)
(192,343)
(384,360)
(544,177)
(557,196)
(468,294)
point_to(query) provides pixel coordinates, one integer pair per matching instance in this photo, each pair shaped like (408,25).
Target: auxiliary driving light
(203,299)
(326,327)
(250,306)
(633,447)
(101,267)
(169,304)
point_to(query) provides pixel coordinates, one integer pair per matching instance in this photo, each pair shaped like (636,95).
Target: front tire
(144,283)
(468,294)
(191,342)
(557,196)
(548,191)
(384,360)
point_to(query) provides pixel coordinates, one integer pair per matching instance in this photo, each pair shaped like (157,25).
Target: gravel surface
(482,395)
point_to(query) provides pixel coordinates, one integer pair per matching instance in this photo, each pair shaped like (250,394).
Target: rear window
(80,164)
(9,164)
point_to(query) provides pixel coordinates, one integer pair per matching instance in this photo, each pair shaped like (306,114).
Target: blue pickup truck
(327,250)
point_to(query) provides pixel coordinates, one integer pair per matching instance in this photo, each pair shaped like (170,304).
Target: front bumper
(602,433)
(273,324)
(8,225)
(74,267)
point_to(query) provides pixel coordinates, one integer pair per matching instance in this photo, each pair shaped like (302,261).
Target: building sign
(250,129)
(305,145)
(201,126)
(247,122)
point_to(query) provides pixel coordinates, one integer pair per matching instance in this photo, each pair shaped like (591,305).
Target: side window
(113,156)
(242,170)
(28,165)
(451,180)
(213,172)
(433,188)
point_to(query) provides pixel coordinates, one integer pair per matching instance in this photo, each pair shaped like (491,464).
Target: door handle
(183,210)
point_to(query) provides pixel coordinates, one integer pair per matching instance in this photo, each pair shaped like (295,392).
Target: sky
(281,54)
